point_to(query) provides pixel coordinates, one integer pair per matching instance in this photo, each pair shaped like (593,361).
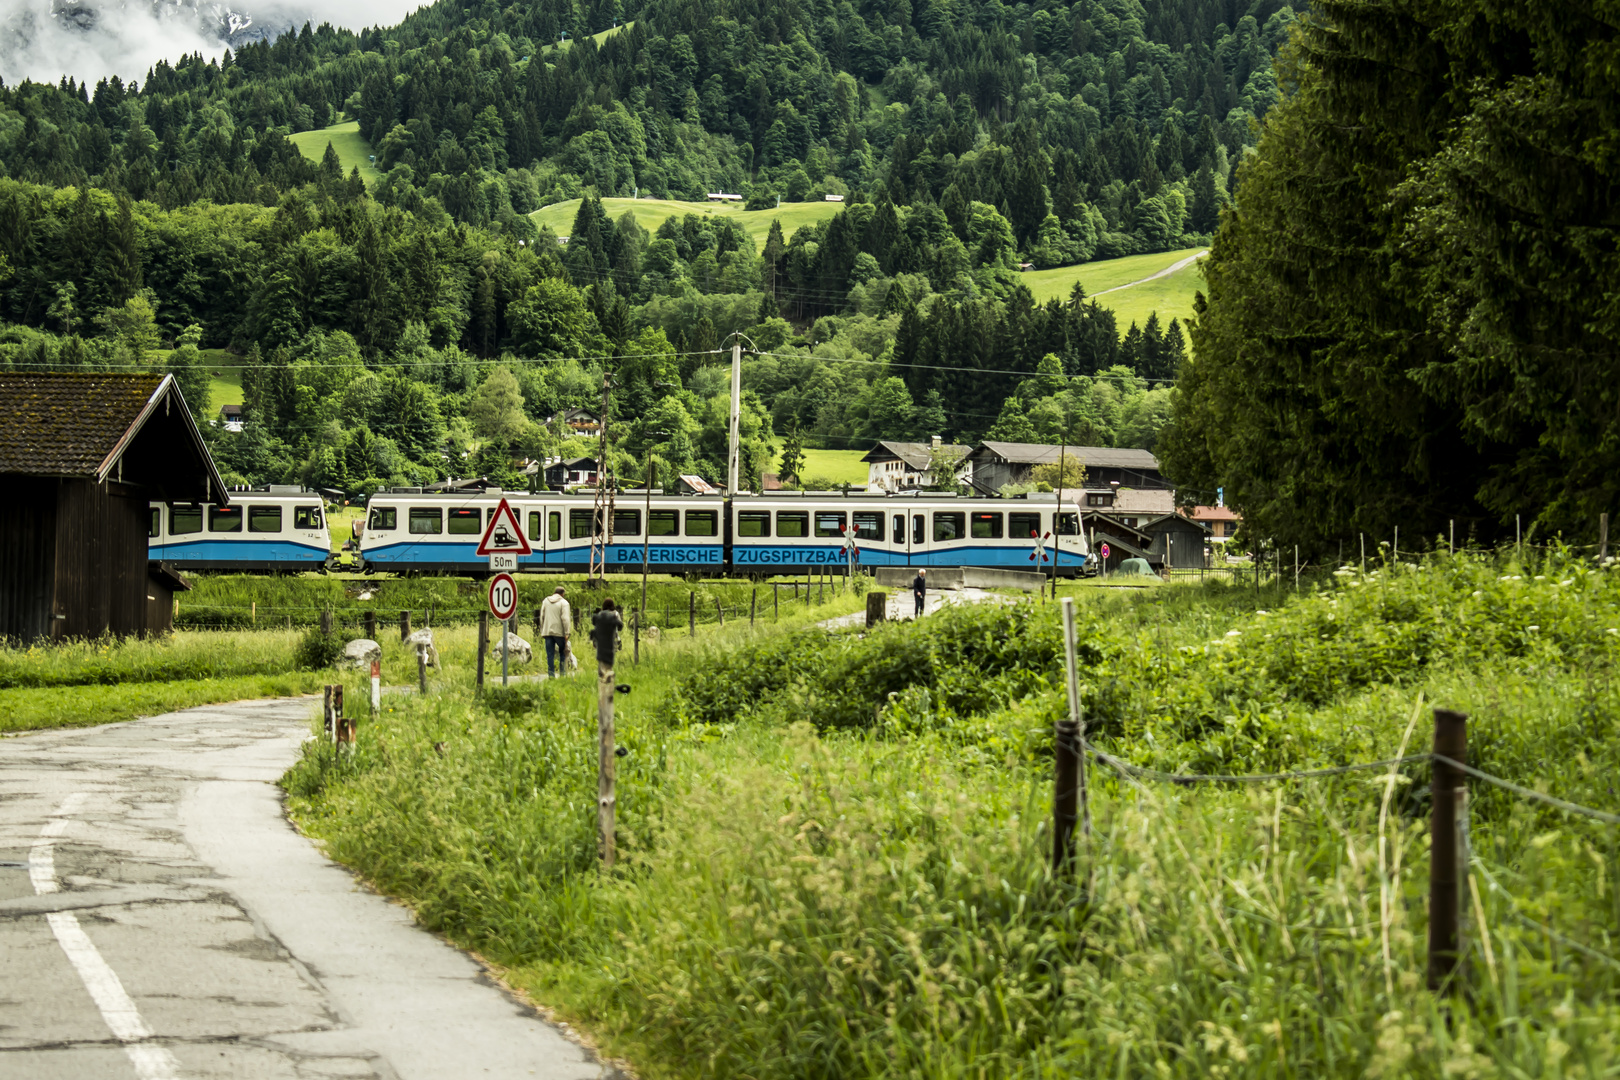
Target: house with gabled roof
(903,466)
(82,459)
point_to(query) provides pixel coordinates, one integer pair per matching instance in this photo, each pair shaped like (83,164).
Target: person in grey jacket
(556,624)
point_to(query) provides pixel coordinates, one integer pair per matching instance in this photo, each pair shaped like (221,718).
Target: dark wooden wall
(72,559)
(1187,553)
(27,557)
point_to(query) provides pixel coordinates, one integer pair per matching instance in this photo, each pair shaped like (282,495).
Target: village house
(1221,520)
(1108,471)
(904,466)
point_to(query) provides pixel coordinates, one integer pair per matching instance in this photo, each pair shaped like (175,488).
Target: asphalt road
(160,919)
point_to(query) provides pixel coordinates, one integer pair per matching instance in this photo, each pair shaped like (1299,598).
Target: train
(412,531)
(280,528)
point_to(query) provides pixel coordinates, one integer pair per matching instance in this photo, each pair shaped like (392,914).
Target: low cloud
(94,39)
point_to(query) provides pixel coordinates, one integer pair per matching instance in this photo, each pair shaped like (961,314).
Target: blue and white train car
(279,528)
(792,532)
(410,531)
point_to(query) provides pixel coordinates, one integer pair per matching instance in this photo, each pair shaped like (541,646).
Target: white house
(902,466)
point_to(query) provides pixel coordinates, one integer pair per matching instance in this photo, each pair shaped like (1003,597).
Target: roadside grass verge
(835,845)
(84,706)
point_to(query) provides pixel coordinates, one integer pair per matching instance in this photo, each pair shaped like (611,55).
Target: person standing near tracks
(556,624)
(919,590)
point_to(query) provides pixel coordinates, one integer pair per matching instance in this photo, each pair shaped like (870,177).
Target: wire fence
(1515,907)
(708,607)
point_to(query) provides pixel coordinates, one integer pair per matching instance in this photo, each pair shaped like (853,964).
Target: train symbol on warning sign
(503,536)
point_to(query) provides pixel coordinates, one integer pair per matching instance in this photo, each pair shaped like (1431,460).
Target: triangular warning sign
(503,536)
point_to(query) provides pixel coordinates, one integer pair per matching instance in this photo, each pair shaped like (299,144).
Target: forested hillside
(1412,320)
(966,138)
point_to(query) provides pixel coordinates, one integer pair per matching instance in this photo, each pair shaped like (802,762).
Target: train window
(1068,525)
(554,525)
(899,529)
(185,519)
(465,521)
(1023,526)
(579,524)
(224,519)
(425,520)
(383,518)
(753,523)
(792,523)
(868,526)
(830,523)
(919,529)
(155,526)
(987,526)
(664,523)
(264,519)
(702,523)
(626,522)
(534,524)
(309,517)
(948,526)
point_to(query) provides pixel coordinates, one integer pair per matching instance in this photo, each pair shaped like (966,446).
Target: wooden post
(635,630)
(1603,536)
(404,625)
(483,644)
(1451,542)
(326,711)
(691,614)
(337,713)
(753,606)
(326,621)
(877,606)
(289,622)
(537,624)
(253,613)
(1070,773)
(605,760)
(720,611)
(371,625)
(1448,869)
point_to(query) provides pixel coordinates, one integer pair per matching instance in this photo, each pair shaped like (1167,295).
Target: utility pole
(733,458)
(602,511)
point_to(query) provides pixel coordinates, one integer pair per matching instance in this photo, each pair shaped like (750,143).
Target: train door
(917,539)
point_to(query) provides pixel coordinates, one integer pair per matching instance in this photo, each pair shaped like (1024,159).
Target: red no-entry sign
(502,596)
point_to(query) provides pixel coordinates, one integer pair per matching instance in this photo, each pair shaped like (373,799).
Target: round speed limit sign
(502,596)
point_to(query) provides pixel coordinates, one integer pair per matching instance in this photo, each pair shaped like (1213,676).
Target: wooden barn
(82,456)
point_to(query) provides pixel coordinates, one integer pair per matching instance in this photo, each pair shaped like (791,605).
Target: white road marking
(117,1009)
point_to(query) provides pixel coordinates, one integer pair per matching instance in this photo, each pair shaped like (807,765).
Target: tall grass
(858,897)
(245,600)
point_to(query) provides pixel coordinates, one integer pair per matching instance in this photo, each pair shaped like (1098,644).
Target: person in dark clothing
(605,627)
(919,589)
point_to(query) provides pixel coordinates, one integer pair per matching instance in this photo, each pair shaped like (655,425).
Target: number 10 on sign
(502,596)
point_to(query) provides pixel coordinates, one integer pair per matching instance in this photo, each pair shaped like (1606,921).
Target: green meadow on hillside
(1171,297)
(352,149)
(651,213)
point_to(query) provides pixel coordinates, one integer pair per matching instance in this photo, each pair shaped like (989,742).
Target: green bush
(317,651)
